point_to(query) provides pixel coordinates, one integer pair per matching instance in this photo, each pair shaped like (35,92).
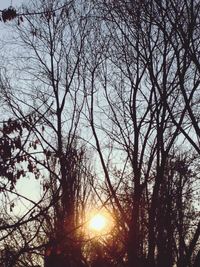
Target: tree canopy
(100,106)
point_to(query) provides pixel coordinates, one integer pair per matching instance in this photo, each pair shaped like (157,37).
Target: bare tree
(137,90)
(124,77)
(48,99)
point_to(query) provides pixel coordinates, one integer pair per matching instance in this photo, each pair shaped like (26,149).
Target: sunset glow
(98,222)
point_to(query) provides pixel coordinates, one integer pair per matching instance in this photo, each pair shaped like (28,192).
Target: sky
(27,186)
(6,3)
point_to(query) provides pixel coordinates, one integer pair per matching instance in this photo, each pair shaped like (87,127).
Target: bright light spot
(98,222)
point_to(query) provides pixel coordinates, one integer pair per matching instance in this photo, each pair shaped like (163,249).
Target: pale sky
(6,3)
(27,186)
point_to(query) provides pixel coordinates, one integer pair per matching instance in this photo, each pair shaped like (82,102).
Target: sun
(98,223)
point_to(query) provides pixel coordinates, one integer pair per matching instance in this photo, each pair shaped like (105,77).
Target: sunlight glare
(98,222)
